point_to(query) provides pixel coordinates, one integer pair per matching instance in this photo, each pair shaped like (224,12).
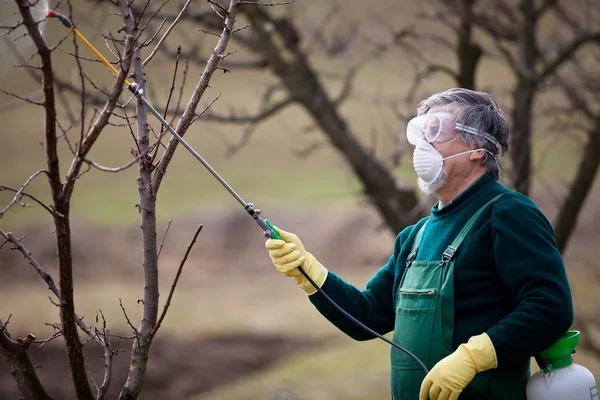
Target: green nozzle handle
(275,232)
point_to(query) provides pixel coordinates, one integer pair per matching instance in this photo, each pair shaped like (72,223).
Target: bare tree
(127,50)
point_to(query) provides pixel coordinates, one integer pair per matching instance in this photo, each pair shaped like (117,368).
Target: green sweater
(509,280)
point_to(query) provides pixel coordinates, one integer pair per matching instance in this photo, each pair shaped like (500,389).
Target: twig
(5,324)
(137,23)
(206,108)
(19,192)
(108,360)
(9,236)
(217,5)
(241,28)
(49,339)
(139,151)
(25,194)
(162,127)
(179,270)
(162,241)
(110,169)
(209,32)
(128,320)
(151,38)
(37,103)
(167,32)
(258,3)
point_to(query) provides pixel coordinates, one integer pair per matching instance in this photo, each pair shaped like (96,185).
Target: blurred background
(309,126)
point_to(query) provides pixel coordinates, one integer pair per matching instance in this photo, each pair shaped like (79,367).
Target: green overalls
(425,324)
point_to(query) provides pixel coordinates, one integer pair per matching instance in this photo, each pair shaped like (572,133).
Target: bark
(398,207)
(21,368)
(147,210)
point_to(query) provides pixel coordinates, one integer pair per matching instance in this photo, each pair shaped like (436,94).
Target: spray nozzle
(64,20)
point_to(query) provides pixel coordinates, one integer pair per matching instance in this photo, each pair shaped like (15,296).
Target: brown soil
(177,369)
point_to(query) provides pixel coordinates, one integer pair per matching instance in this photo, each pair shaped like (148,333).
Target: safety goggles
(441,127)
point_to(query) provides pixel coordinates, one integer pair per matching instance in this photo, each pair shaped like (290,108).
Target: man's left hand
(451,375)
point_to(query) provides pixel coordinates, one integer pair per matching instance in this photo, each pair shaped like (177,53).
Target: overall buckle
(411,257)
(447,255)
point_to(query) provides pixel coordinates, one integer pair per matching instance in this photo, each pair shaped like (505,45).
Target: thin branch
(162,127)
(209,32)
(179,270)
(189,114)
(162,241)
(205,109)
(151,38)
(24,194)
(214,4)
(37,103)
(137,144)
(135,331)
(258,3)
(241,28)
(101,121)
(567,52)
(10,237)
(19,192)
(167,32)
(274,109)
(112,169)
(108,360)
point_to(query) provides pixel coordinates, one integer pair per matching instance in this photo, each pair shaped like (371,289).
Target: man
(474,289)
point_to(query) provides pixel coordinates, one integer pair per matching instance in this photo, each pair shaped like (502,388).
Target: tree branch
(52,212)
(167,32)
(189,113)
(10,237)
(108,361)
(101,121)
(19,192)
(177,275)
(567,53)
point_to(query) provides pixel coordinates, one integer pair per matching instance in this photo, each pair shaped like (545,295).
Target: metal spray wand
(268,229)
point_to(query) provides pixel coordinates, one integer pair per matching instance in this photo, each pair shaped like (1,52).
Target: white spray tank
(559,378)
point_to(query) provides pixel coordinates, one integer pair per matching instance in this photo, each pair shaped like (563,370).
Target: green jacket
(510,280)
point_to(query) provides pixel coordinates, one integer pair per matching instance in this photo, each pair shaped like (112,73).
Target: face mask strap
(487,136)
(467,152)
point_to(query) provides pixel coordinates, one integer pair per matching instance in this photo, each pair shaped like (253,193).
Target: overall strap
(451,250)
(413,251)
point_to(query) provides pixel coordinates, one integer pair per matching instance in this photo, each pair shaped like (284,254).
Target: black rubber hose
(357,322)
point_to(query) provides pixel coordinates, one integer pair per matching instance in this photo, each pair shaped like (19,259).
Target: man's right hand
(288,254)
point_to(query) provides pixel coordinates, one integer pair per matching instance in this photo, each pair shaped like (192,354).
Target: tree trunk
(17,359)
(580,188)
(398,207)
(67,303)
(523,97)
(147,210)
(469,53)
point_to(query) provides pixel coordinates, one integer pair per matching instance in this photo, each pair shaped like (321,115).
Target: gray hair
(477,110)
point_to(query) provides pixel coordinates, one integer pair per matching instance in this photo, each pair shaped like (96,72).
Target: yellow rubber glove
(451,375)
(288,254)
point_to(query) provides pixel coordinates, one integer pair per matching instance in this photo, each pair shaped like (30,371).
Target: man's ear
(477,155)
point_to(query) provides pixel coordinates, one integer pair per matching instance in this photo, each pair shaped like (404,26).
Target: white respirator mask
(428,162)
